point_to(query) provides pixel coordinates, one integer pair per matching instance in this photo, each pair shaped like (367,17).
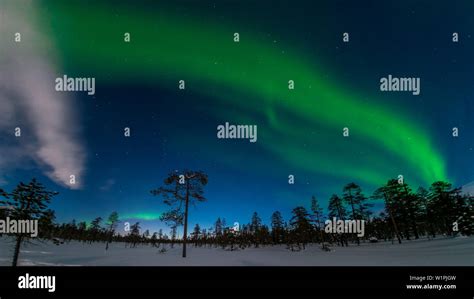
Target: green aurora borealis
(203,53)
(300,131)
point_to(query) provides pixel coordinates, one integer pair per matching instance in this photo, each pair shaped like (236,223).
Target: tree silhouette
(301,226)
(336,209)
(95,229)
(440,210)
(425,211)
(277,227)
(388,193)
(352,194)
(218,226)
(153,239)
(317,216)
(183,189)
(46,224)
(112,225)
(255,223)
(443,205)
(196,234)
(135,234)
(465,213)
(28,202)
(174,219)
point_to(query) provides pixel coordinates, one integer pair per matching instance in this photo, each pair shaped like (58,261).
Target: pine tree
(336,208)
(46,224)
(442,198)
(465,211)
(135,233)
(404,207)
(301,226)
(413,207)
(277,227)
(173,219)
(426,214)
(196,234)
(389,194)
(112,226)
(153,239)
(177,192)
(72,231)
(352,194)
(95,229)
(224,225)
(263,235)
(317,216)
(28,201)
(256,223)
(218,227)
(146,234)
(173,235)
(95,224)
(82,230)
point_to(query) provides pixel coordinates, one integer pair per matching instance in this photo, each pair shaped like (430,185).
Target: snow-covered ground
(438,252)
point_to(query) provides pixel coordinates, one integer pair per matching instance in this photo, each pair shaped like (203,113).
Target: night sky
(246,82)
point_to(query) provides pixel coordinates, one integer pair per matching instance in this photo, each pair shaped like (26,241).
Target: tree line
(407,214)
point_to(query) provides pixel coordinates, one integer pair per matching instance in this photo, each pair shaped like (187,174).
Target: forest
(439,210)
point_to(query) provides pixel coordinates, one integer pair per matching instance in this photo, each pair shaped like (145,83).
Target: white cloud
(50,134)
